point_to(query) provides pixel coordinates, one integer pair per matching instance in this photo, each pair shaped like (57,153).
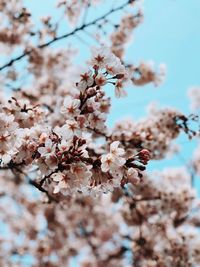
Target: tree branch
(41,189)
(12,166)
(84,26)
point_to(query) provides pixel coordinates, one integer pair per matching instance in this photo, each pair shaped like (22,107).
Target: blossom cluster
(160,214)
(145,73)
(155,133)
(64,154)
(73,8)
(19,27)
(121,36)
(161,208)
(75,188)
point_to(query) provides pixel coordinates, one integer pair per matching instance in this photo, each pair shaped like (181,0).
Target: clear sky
(170,34)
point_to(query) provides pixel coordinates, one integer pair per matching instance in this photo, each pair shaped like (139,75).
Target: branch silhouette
(66,35)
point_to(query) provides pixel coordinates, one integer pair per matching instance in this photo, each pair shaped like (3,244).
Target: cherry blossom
(70,107)
(48,149)
(147,74)
(113,160)
(87,80)
(76,188)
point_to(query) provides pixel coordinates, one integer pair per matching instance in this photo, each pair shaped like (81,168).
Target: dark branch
(41,189)
(16,167)
(84,26)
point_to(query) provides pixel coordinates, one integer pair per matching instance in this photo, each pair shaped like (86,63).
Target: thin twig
(37,185)
(55,39)
(41,189)
(85,13)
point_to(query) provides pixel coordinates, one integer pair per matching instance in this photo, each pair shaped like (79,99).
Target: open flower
(70,107)
(115,67)
(102,57)
(116,150)
(60,179)
(97,120)
(87,80)
(76,179)
(7,124)
(100,79)
(113,160)
(48,149)
(69,129)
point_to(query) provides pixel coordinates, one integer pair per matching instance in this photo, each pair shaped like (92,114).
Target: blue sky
(170,34)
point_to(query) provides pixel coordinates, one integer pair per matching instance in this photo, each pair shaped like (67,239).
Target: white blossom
(70,107)
(113,160)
